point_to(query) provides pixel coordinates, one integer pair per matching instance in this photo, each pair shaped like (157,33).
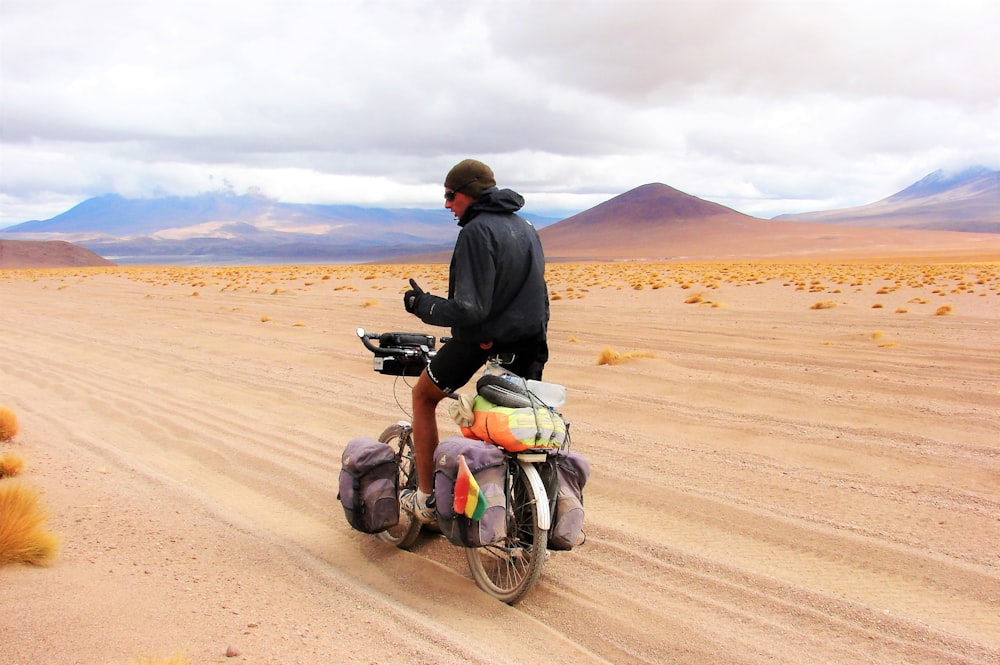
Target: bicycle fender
(531,473)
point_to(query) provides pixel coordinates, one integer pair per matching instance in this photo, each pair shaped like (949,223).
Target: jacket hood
(493,200)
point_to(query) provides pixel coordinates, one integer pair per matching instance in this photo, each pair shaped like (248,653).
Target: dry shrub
(370,303)
(10,465)
(824,304)
(877,305)
(23,537)
(901,310)
(611,357)
(878,334)
(8,424)
(693,300)
(883,345)
(943,310)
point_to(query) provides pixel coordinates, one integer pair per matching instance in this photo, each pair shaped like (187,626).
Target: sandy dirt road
(773,482)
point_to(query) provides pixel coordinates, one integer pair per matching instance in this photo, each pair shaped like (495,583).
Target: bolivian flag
(469,499)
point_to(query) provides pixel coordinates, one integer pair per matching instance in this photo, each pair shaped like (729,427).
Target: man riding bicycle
(497,305)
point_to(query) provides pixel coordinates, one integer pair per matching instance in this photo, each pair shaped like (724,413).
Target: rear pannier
(567,521)
(477,515)
(368,485)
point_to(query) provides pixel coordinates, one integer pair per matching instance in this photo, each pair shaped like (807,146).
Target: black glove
(412,297)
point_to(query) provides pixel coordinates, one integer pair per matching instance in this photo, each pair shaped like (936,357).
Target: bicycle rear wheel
(406,531)
(510,568)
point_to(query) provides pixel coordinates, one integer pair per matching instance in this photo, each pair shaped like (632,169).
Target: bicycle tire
(406,531)
(510,568)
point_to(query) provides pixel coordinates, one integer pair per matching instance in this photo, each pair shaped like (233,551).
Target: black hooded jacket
(496,282)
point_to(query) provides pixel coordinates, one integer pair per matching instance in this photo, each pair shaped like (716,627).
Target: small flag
(469,499)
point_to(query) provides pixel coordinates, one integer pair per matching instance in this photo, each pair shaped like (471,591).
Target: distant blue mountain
(116,215)
(968,201)
(975,180)
(249,226)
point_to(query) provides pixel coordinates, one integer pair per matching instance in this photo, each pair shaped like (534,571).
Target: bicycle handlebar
(400,354)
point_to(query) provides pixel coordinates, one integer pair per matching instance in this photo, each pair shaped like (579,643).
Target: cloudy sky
(766,106)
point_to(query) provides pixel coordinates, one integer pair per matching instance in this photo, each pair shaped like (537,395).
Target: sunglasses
(449,195)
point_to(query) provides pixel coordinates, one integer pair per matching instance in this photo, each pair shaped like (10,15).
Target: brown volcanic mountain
(658,222)
(651,221)
(47,254)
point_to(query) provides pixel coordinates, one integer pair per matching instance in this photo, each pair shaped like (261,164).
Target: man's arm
(473,274)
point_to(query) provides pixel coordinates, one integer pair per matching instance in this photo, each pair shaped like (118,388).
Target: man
(497,304)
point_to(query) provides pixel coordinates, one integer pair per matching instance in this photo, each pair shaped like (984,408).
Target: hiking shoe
(410,501)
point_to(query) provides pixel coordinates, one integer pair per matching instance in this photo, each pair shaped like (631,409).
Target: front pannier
(488,467)
(368,485)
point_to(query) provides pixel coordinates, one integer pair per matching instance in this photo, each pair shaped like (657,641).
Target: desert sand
(792,463)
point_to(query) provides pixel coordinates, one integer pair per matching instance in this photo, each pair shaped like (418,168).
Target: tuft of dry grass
(693,300)
(611,357)
(824,304)
(8,424)
(370,303)
(10,465)
(23,536)
(943,310)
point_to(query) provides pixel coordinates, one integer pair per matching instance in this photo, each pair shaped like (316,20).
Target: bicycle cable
(395,396)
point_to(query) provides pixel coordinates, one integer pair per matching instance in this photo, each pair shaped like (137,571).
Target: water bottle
(552,394)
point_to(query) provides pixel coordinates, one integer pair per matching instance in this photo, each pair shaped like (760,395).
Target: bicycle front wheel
(406,531)
(510,568)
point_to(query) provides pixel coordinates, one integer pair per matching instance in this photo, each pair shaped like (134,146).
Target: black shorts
(456,362)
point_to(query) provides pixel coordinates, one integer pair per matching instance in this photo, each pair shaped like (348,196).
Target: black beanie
(471,177)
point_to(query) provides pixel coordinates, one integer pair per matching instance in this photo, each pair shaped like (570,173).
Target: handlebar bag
(489,469)
(516,429)
(398,339)
(567,520)
(368,485)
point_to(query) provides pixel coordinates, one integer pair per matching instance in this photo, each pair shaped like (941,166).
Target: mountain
(46,254)
(647,216)
(658,222)
(241,227)
(652,222)
(228,228)
(965,201)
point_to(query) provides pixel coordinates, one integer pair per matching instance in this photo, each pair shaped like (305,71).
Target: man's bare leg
(426,397)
